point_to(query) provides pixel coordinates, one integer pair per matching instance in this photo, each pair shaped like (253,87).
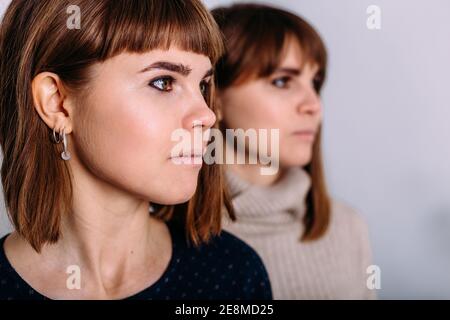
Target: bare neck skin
(252,172)
(110,235)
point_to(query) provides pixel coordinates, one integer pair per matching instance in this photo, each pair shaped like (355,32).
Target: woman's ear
(50,101)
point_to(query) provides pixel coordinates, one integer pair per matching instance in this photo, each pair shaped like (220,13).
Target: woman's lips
(305,135)
(189,157)
(188,160)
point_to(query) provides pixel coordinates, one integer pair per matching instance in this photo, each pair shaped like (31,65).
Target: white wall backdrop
(387,115)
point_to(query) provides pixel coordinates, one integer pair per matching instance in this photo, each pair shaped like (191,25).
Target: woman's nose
(310,102)
(201,115)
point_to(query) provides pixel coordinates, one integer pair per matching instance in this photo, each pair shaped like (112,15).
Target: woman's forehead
(294,55)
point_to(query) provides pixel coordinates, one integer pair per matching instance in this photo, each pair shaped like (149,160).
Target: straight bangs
(264,32)
(141,26)
(111,27)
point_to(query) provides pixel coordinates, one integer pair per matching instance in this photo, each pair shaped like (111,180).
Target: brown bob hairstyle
(34,38)
(255,36)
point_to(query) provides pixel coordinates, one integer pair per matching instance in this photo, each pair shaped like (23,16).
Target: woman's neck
(252,174)
(111,233)
(109,236)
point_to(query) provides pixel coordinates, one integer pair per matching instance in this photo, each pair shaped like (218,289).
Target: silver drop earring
(65,154)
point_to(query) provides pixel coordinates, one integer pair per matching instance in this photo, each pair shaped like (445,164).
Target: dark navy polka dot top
(225,268)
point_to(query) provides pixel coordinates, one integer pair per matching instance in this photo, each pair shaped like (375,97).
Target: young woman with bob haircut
(100,207)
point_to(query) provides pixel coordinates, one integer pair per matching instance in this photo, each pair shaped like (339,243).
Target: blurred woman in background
(270,78)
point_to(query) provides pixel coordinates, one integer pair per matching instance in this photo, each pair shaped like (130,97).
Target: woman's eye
(204,88)
(317,81)
(163,84)
(281,82)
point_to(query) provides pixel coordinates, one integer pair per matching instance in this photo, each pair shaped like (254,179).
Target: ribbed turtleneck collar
(287,195)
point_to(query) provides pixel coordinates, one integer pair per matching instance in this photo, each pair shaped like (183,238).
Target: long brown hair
(34,38)
(255,36)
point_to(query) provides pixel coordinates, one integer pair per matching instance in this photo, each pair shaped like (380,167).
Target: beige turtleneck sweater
(269,220)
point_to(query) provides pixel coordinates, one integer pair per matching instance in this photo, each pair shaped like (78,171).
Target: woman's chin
(176,196)
(298,160)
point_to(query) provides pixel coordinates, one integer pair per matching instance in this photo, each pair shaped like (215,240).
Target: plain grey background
(386,132)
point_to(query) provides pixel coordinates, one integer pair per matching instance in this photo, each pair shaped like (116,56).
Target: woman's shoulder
(248,266)
(229,260)
(239,252)
(12,286)
(344,216)
(349,229)
(349,226)
(223,247)
(4,264)
(223,244)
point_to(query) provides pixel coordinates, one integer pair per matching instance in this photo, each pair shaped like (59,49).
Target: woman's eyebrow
(169,66)
(178,68)
(291,71)
(210,72)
